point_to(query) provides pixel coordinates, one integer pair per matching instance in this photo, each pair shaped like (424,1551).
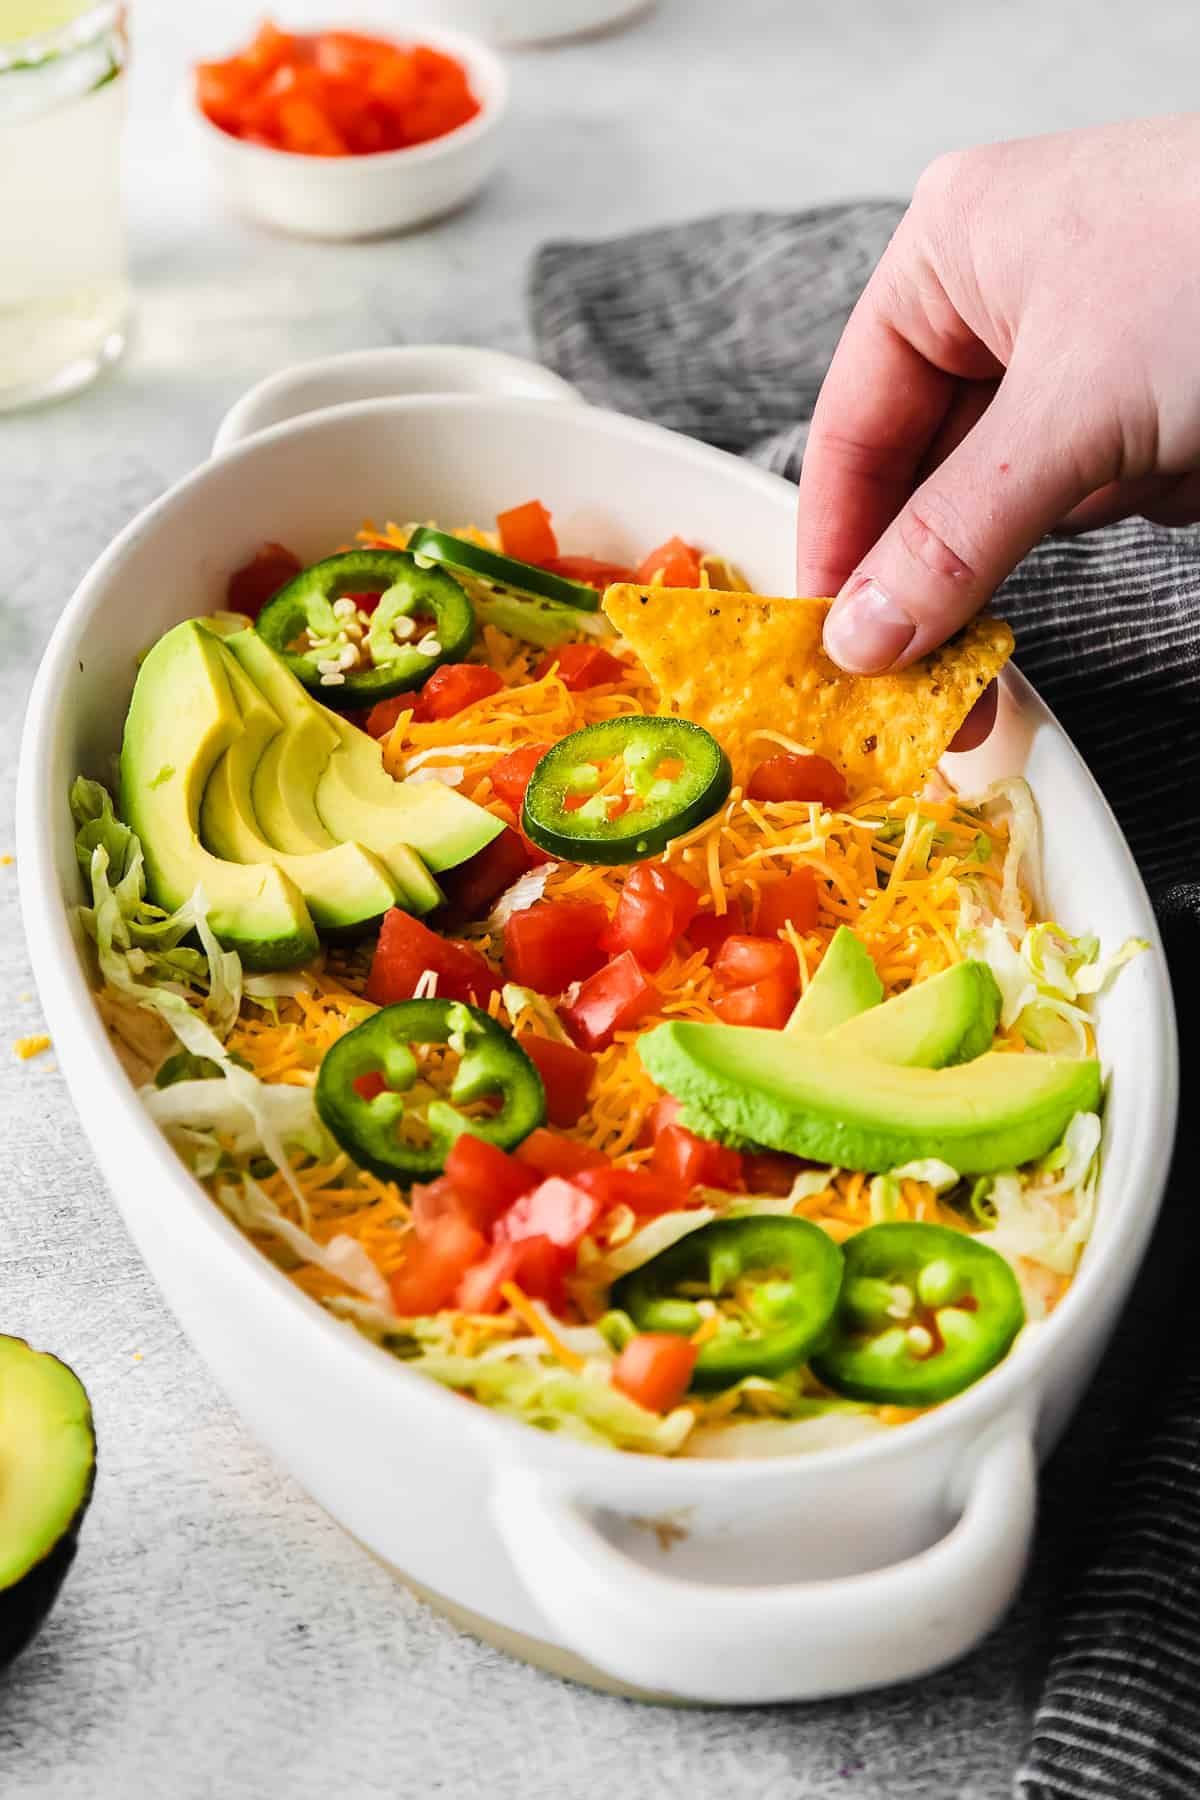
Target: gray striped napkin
(723,328)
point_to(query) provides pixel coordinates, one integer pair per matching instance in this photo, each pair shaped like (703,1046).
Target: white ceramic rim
(67,994)
(489,84)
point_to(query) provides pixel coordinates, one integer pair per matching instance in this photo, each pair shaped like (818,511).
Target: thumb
(964,529)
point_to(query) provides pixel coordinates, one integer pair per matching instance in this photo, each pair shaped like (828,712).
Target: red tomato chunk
(368,1086)
(612,1000)
(553,943)
(384,713)
(589,570)
(792,777)
(792,900)
(335,93)
(677,563)
(526,533)
(534,1264)
(452,688)
(767,1004)
(566,1074)
(655,1369)
(486,1179)
(250,587)
(548,1154)
(655,909)
(557,1209)
(695,1162)
(510,776)
(708,931)
(646,1192)
(744,959)
(471,888)
(582,666)
(434,1265)
(406,948)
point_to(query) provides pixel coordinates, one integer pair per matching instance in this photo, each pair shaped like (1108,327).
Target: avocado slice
(834,1105)
(181,719)
(355,798)
(949,1018)
(344,886)
(281,791)
(47,1467)
(845,984)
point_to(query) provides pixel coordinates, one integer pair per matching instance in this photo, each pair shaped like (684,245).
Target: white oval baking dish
(794,1577)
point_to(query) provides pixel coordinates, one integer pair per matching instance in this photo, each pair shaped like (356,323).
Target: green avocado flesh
(833,1105)
(237,780)
(845,984)
(949,1018)
(353,796)
(47,1465)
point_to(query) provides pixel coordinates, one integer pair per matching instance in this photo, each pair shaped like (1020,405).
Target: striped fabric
(723,328)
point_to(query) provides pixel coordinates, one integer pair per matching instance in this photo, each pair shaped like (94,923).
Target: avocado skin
(739,1084)
(25,1604)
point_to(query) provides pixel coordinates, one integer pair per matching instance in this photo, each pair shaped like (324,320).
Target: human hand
(1026,354)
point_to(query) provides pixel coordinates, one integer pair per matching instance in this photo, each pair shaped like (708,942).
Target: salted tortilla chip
(739,663)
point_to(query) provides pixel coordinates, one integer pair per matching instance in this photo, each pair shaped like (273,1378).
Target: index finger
(878,411)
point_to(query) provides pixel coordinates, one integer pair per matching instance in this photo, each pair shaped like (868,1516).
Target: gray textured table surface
(218,1635)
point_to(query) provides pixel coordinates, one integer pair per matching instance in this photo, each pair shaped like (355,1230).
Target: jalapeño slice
(402,653)
(620,790)
(775,1282)
(502,571)
(370,1127)
(924,1311)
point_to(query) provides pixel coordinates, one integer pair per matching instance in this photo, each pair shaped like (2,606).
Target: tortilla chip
(739,663)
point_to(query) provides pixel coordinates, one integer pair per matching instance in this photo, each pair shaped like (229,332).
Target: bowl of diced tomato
(341,134)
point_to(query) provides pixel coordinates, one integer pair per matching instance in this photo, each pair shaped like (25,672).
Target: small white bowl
(339,197)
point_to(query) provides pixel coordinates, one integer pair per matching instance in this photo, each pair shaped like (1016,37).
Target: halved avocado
(344,886)
(845,985)
(834,1105)
(355,798)
(948,1018)
(47,1467)
(181,720)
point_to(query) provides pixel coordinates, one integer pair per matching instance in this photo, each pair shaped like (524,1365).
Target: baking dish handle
(374,374)
(702,1641)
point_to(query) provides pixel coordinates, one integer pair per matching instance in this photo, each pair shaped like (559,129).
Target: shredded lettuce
(523,892)
(249,1206)
(1043,974)
(1045,1215)
(930,1169)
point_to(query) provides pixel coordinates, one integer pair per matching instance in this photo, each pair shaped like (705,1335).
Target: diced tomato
(384,713)
(582,666)
(366,603)
(526,533)
(554,942)
(534,1263)
(510,776)
(695,1162)
(656,907)
(369,1085)
(434,1265)
(406,948)
(770,1171)
(766,1003)
(566,1074)
(452,688)
(708,931)
(789,776)
(486,1178)
(588,570)
(612,1000)
(677,563)
(335,93)
(430,1201)
(471,888)
(556,1209)
(646,1192)
(548,1154)
(249,588)
(664,1112)
(792,900)
(655,1369)
(744,959)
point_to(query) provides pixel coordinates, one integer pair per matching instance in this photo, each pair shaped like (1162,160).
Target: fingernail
(866,631)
